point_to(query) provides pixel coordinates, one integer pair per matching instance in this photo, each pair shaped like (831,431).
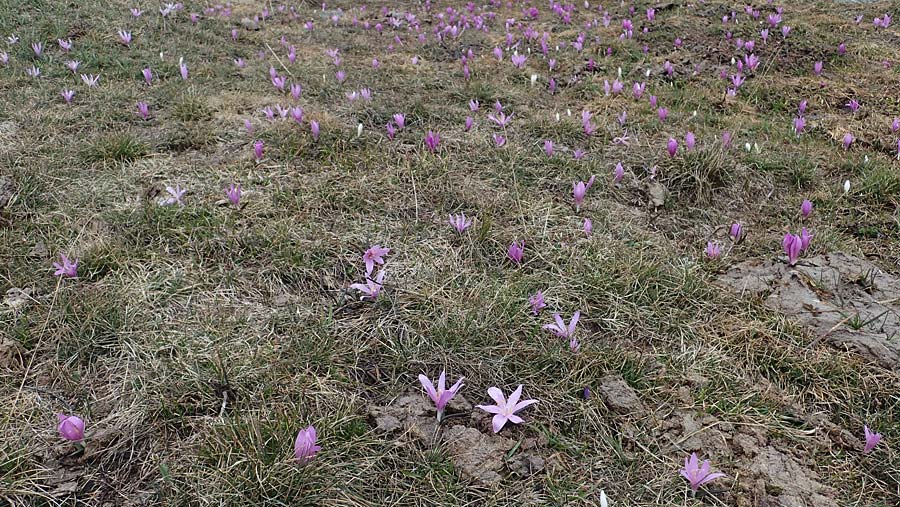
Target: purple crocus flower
(548,147)
(799,125)
(38,48)
(66,268)
(258,147)
(802,107)
(90,80)
(148,75)
(696,474)
(713,251)
(432,141)
(672,147)
(638,89)
(469,123)
(390,130)
(233,193)
(143,110)
(305,447)
(65,45)
(372,288)
(400,120)
(736,232)
(588,227)
(792,245)
(296,90)
(504,409)
(71,427)
(559,327)
(872,439)
(516,251)
(314,129)
(474,105)
(183,69)
(125,37)
(73,65)
(579,189)
(847,140)
(690,140)
(441,395)
(537,302)
(853,105)
(895,125)
(518,60)
(806,207)
(460,222)
(67,95)
(805,238)
(618,173)
(817,68)
(663,113)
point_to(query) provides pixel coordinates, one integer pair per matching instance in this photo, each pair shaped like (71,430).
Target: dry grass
(198,340)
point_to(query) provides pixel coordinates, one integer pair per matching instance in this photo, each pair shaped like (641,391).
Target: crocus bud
(305,447)
(71,427)
(806,207)
(672,147)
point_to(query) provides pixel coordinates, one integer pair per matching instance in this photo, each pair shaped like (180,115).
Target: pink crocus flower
(560,329)
(71,427)
(460,222)
(499,140)
(895,125)
(806,207)
(305,447)
(817,68)
(672,147)
(872,439)
(432,141)
(469,122)
(663,113)
(618,173)
(548,147)
(792,245)
(67,268)
(588,227)
(537,302)
(258,148)
(400,120)
(696,474)
(847,140)
(713,251)
(314,129)
(689,140)
(516,251)
(504,409)
(805,238)
(374,255)
(124,37)
(67,95)
(148,75)
(372,288)
(579,189)
(440,396)
(143,110)
(736,232)
(183,69)
(233,194)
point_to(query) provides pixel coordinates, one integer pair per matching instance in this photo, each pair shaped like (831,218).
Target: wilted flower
(67,268)
(71,427)
(696,474)
(516,251)
(872,439)
(440,396)
(505,409)
(305,447)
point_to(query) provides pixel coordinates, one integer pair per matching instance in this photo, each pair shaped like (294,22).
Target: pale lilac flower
(440,396)
(799,125)
(579,189)
(390,130)
(375,63)
(372,288)
(12,40)
(672,147)
(895,125)
(305,447)
(124,37)
(143,110)
(175,195)
(853,105)
(38,48)
(802,107)
(374,255)
(518,60)
(842,49)
(183,68)
(792,245)
(537,302)
(400,120)
(297,114)
(560,329)
(668,68)
(65,45)
(898,149)
(432,141)
(736,232)
(847,140)
(588,227)
(71,427)
(697,475)
(258,150)
(663,113)
(500,119)
(340,76)
(817,68)
(4,58)
(135,12)
(240,63)
(785,30)
(516,251)
(67,268)
(713,251)
(460,222)
(578,154)
(278,82)
(67,95)
(618,173)
(589,127)
(233,193)
(474,105)
(548,147)
(505,410)
(148,75)
(689,140)
(638,89)
(73,65)
(872,439)
(314,129)
(90,80)
(805,238)
(33,72)
(806,207)
(469,122)
(499,140)
(623,117)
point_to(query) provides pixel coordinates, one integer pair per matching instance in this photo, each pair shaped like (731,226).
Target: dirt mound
(844,300)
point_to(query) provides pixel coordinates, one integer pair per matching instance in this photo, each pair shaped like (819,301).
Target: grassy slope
(175,306)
